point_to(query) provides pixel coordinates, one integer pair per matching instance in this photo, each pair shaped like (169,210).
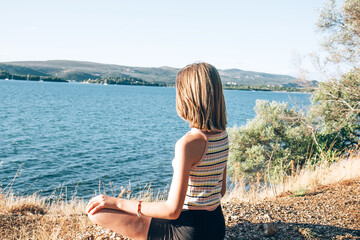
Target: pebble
(269,230)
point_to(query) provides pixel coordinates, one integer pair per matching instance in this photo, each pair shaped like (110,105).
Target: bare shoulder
(191,146)
(191,140)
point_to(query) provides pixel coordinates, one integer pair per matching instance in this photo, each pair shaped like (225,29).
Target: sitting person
(192,210)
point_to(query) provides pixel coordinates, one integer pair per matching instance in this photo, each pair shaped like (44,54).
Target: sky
(257,35)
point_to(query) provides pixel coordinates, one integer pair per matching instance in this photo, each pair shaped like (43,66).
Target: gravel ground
(326,212)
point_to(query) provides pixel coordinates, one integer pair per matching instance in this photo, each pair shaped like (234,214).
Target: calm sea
(71,135)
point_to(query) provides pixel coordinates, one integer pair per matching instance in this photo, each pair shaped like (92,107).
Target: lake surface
(72,135)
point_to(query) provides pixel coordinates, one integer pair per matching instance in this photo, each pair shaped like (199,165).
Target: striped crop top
(206,177)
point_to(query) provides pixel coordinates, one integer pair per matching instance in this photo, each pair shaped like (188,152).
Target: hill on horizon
(82,71)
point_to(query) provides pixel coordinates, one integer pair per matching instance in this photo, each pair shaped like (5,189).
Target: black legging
(191,224)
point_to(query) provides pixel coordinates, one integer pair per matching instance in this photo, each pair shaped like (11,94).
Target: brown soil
(326,212)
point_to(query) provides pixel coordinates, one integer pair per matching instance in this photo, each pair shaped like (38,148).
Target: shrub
(280,139)
(275,141)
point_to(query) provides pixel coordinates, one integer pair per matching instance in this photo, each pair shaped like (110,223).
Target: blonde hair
(199,97)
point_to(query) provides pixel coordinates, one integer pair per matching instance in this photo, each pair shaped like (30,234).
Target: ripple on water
(68,136)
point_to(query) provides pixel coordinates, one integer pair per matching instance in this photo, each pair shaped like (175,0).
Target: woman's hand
(102,201)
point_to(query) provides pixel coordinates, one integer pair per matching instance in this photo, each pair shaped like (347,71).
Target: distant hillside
(82,71)
(21,70)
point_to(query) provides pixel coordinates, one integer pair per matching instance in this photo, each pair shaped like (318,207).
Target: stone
(269,230)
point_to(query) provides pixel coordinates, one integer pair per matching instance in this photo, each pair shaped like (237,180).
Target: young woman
(192,210)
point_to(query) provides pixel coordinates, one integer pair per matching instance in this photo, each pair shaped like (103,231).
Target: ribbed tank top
(206,176)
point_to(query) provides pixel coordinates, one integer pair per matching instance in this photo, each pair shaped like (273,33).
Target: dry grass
(35,217)
(307,178)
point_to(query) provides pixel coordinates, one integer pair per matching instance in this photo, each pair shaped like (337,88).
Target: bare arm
(223,188)
(188,150)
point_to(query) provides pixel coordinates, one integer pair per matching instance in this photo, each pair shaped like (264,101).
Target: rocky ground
(326,212)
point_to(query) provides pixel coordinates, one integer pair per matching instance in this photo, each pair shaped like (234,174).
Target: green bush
(269,142)
(280,139)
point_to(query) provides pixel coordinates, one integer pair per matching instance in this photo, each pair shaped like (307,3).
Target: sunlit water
(71,135)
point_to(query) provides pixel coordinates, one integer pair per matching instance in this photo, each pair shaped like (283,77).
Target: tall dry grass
(301,181)
(56,216)
(35,217)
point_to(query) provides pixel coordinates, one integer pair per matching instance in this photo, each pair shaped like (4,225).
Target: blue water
(71,135)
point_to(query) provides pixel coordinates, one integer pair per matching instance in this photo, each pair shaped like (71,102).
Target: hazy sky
(256,35)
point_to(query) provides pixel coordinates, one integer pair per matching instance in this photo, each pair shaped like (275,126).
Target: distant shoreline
(147,84)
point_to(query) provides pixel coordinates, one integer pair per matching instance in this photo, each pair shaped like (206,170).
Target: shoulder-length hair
(199,97)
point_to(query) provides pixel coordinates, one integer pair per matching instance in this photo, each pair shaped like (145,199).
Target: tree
(278,136)
(336,111)
(341,29)
(336,102)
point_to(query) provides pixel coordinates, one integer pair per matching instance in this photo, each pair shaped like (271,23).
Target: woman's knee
(98,217)
(109,217)
(93,217)
(121,222)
